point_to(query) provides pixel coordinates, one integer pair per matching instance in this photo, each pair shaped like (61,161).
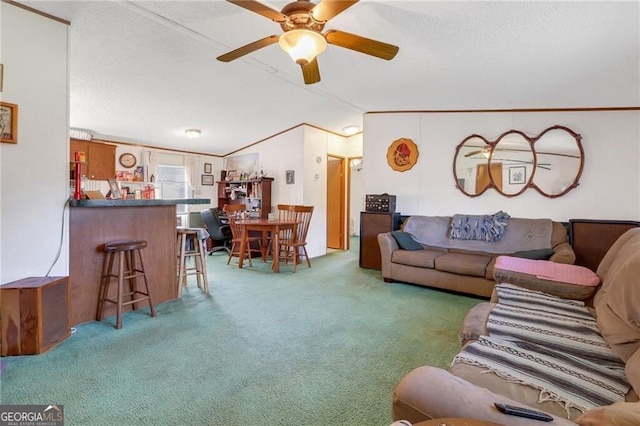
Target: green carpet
(323,346)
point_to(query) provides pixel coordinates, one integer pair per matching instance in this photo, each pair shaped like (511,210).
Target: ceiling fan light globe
(302,45)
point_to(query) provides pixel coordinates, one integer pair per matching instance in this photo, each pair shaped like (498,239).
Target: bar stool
(127,270)
(191,245)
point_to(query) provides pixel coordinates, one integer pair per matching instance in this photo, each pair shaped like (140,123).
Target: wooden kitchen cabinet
(100,159)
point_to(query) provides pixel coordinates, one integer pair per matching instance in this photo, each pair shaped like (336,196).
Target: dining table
(265,226)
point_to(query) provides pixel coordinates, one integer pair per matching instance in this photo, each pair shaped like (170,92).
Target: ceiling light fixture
(192,133)
(351,130)
(302,45)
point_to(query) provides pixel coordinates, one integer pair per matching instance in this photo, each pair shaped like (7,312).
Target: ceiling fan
(486,152)
(302,22)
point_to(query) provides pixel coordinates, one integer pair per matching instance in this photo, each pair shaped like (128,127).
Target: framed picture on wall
(8,122)
(207,168)
(207,180)
(517,175)
(291,177)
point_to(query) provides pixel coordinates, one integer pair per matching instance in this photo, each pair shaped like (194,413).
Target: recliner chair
(218,231)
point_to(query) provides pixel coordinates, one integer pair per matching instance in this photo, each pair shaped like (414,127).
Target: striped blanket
(551,344)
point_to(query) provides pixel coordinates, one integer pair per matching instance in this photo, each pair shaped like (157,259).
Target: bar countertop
(132,202)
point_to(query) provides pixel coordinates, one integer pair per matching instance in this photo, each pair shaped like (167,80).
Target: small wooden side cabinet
(372,224)
(34,314)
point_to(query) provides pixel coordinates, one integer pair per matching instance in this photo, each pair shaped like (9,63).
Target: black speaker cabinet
(34,314)
(372,224)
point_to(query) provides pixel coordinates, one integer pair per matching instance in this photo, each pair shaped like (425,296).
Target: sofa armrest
(563,253)
(429,393)
(388,245)
(618,414)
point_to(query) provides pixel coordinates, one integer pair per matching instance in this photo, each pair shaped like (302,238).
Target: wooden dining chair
(253,244)
(285,212)
(295,247)
(231,208)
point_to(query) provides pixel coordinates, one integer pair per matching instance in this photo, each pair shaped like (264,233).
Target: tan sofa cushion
(422,258)
(463,263)
(617,303)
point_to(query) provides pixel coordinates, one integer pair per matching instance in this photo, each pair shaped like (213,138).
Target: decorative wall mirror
(512,163)
(560,149)
(471,165)
(551,162)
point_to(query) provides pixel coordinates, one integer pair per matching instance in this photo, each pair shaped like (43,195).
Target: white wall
(356,190)
(298,150)
(33,175)
(609,187)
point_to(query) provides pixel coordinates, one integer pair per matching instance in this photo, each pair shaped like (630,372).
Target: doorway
(482,176)
(335,203)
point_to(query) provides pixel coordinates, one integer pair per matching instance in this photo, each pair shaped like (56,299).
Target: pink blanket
(547,270)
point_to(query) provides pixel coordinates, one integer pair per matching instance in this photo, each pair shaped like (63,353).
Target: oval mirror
(512,163)
(560,161)
(471,165)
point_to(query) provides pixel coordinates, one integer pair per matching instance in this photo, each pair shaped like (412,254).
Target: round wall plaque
(127,160)
(402,155)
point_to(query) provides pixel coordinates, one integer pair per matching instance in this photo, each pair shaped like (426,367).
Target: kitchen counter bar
(132,202)
(92,223)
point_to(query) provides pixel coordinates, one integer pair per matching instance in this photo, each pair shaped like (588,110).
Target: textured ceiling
(144,71)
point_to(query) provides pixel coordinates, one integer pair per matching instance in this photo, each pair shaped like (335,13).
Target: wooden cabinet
(35,314)
(372,224)
(100,159)
(255,194)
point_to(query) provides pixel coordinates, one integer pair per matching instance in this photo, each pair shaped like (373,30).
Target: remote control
(523,412)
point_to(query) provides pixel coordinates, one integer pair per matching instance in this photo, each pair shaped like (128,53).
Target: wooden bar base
(35,314)
(91,228)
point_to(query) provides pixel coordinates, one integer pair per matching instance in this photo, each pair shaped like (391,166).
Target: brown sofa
(468,390)
(465,266)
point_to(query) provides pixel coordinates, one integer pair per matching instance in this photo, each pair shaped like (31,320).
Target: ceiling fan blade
(327,9)
(251,47)
(260,9)
(311,72)
(361,44)
(478,151)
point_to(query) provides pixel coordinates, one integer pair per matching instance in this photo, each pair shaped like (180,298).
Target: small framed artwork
(8,122)
(291,177)
(207,168)
(517,175)
(207,180)
(114,189)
